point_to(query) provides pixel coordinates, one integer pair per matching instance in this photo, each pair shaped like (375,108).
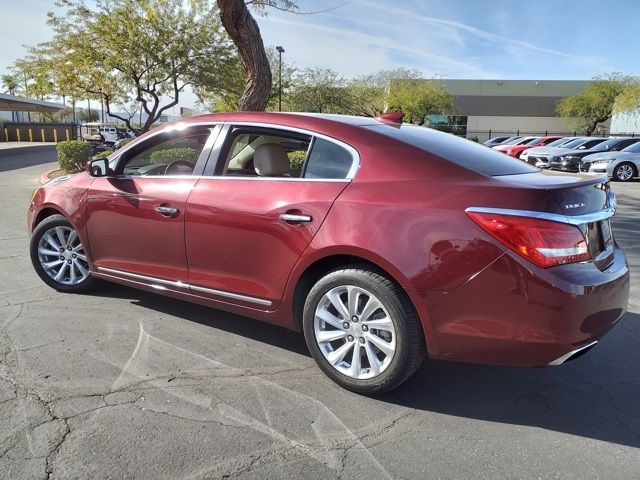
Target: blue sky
(509,39)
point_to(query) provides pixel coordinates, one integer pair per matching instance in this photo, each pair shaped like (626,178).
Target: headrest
(270,159)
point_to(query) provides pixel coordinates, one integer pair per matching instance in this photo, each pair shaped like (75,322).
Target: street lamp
(280,52)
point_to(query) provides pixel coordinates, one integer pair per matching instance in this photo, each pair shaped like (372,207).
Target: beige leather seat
(271,160)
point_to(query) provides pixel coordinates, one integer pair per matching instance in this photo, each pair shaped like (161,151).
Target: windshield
(590,144)
(468,154)
(635,148)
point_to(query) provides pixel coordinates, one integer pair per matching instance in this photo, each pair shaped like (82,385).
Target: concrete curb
(44,178)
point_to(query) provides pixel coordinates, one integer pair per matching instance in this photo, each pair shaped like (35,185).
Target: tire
(625,172)
(374,370)
(58,256)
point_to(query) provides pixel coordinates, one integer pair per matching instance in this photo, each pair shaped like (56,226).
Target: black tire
(410,350)
(41,229)
(618,174)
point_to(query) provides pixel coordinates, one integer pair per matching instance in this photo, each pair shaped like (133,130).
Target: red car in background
(384,243)
(528,142)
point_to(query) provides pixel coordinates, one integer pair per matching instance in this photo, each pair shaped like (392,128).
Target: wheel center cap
(67,255)
(356,330)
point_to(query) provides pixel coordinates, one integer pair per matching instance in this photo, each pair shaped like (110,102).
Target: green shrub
(165,157)
(73,155)
(296,158)
(124,142)
(474,139)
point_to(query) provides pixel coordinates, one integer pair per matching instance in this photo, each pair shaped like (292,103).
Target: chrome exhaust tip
(573,354)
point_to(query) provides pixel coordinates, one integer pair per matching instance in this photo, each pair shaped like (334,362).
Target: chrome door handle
(295,219)
(167,211)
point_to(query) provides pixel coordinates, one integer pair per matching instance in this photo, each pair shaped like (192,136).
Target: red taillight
(543,242)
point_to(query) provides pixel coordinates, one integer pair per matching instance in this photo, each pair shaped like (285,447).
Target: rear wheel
(362,330)
(58,256)
(625,172)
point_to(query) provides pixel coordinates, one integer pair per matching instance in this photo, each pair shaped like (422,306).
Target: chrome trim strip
(554,217)
(566,356)
(235,296)
(154,281)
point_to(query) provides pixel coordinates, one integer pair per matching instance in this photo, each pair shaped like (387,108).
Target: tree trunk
(244,31)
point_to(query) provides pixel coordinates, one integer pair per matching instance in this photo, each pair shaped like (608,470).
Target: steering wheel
(179,167)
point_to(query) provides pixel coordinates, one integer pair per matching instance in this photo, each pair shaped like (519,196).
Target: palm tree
(10,82)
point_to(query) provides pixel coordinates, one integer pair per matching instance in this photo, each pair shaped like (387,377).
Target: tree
(595,104)
(319,90)
(11,83)
(418,98)
(147,51)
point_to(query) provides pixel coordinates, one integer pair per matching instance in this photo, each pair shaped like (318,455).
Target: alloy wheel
(354,332)
(624,172)
(62,256)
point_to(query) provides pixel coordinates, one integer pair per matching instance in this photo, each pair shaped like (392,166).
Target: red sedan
(383,242)
(528,142)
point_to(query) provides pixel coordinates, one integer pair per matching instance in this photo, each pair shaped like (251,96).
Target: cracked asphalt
(126,384)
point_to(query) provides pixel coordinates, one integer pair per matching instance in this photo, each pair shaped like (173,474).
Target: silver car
(622,166)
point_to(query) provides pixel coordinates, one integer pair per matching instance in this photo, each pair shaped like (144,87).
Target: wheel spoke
(381,324)
(370,308)
(330,335)
(327,317)
(353,294)
(60,235)
(50,265)
(373,359)
(387,348)
(72,238)
(61,272)
(355,360)
(336,301)
(52,242)
(81,257)
(47,252)
(338,355)
(83,271)
(73,277)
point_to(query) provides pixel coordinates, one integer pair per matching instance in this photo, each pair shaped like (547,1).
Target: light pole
(280,52)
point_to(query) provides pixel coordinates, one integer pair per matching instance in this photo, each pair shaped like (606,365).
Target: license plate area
(600,243)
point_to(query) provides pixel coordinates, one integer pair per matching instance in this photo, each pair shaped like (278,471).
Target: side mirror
(99,168)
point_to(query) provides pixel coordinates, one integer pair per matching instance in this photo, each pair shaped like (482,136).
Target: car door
(135,218)
(247,224)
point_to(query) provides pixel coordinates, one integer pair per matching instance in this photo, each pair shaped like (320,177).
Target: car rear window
(465,153)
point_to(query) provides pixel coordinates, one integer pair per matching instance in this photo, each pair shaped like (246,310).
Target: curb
(44,178)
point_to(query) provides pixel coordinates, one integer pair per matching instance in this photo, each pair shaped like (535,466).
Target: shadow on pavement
(15,158)
(594,396)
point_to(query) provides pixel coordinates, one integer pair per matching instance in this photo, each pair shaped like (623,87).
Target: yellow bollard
(6,134)
(55,135)
(31,135)
(18,134)
(42,135)
(66,133)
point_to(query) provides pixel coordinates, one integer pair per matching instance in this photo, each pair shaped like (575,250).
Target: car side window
(260,153)
(328,160)
(176,155)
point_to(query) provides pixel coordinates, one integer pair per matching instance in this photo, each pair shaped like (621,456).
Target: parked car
(517,141)
(496,141)
(505,141)
(622,165)
(107,132)
(539,156)
(384,243)
(517,149)
(569,161)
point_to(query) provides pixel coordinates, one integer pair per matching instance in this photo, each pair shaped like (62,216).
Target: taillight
(543,242)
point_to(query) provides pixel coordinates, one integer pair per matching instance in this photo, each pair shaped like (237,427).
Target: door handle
(295,218)
(167,211)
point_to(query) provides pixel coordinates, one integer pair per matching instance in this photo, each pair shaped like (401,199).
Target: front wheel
(624,172)
(58,256)
(362,330)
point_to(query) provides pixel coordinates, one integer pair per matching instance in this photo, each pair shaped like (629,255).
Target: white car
(622,166)
(539,156)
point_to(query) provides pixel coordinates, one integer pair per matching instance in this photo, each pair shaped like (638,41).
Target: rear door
(248,221)
(135,218)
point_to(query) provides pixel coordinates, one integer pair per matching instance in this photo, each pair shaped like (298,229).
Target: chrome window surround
(554,217)
(158,282)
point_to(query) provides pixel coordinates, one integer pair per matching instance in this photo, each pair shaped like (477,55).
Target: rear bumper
(520,315)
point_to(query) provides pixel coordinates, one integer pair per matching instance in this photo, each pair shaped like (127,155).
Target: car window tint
(328,160)
(174,156)
(465,153)
(286,154)
(635,148)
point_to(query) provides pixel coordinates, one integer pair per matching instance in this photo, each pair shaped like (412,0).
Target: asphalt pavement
(122,383)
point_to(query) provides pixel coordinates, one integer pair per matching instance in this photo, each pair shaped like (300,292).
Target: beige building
(487,108)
